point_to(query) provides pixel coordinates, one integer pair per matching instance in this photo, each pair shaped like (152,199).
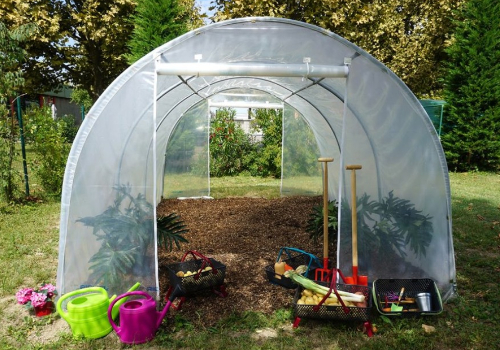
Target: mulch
(244,234)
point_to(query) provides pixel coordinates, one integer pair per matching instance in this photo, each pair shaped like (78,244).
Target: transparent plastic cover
(146,136)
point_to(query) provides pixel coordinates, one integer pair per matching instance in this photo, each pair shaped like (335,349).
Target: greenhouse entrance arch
(187,157)
(358,111)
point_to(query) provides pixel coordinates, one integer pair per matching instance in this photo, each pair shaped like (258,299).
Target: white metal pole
(252,69)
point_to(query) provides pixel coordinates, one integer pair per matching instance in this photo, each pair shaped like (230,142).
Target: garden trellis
(122,161)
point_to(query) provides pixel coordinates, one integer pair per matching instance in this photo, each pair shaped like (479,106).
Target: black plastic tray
(385,287)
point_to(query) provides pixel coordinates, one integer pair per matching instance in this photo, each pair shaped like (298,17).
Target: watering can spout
(161,315)
(116,307)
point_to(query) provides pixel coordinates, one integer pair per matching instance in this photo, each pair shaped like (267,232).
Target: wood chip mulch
(244,234)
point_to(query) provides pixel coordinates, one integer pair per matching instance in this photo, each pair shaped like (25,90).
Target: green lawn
(28,255)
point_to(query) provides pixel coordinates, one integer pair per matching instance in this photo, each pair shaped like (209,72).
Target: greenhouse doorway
(241,133)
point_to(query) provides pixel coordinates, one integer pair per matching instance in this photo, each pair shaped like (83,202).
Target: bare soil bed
(244,234)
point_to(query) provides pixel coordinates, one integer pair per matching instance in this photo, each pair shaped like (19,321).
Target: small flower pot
(44,310)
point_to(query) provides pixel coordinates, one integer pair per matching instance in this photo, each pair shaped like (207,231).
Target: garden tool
(139,319)
(323,274)
(355,279)
(395,306)
(87,314)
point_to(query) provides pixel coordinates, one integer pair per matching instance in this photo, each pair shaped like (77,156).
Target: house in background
(62,102)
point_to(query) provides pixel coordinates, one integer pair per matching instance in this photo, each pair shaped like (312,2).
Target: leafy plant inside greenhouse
(390,225)
(126,231)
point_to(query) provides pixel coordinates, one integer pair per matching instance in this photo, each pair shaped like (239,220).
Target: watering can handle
(112,304)
(76,292)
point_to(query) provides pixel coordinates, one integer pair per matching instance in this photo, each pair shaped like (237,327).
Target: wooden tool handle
(354,213)
(325,206)
(325,159)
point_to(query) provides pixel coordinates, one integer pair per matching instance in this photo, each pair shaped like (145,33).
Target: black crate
(329,312)
(383,288)
(204,280)
(295,258)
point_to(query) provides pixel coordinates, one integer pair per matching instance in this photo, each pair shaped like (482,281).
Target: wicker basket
(201,279)
(294,258)
(329,312)
(383,288)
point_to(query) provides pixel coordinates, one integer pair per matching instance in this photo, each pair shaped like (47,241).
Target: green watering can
(87,314)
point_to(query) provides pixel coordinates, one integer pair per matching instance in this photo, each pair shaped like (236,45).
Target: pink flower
(23,296)
(49,288)
(38,299)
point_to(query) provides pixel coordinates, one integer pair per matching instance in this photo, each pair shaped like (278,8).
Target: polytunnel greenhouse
(146,138)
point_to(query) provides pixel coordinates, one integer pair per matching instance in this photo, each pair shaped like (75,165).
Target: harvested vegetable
(307,293)
(301,269)
(363,303)
(279,268)
(311,285)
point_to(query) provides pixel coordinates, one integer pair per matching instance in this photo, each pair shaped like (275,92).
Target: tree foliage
(155,23)
(13,55)
(267,156)
(407,36)
(472,127)
(11,80)
(81,42)
(228,144)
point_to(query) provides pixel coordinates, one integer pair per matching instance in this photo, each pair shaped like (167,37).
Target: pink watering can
(139,319)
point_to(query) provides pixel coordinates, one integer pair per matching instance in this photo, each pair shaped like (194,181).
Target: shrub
(315,223)
(50,148)
(69,127)
(9,175)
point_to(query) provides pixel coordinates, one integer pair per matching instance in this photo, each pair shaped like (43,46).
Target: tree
(228,144)
(11,75)
(472,90)
(155,23)
(407,36)
(267,160)
(81,42)
(11,81)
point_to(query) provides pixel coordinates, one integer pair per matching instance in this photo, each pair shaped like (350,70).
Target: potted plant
(38,301)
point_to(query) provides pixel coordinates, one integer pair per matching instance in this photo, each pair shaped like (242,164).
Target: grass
(28,254)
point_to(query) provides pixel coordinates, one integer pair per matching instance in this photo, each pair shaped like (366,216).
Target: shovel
(355,279)
(323,274)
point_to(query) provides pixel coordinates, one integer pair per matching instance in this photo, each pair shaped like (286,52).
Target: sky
(204,4)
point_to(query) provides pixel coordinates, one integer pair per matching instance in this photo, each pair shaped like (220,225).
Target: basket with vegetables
(293,259)
(323,300)
(196,274)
